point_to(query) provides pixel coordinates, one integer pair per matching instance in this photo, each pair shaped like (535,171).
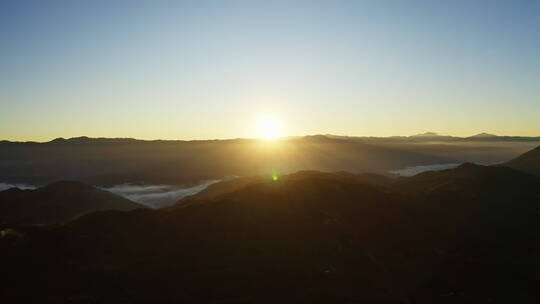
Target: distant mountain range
(426,135)
(464,235)
(432,136)
(477,136)
(110,161)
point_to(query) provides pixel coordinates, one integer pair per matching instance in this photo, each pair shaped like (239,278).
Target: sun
(269,128)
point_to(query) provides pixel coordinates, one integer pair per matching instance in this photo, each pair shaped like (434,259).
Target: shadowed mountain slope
(57,202)
(464,235)
(527,162)
(232,185)
(306,238)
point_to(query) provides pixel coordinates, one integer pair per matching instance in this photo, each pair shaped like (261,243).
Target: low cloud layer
(156,196)
(4,186)
(410,171)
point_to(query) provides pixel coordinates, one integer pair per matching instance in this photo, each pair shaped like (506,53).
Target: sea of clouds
(410,171)
(157,196)
(153,196)
(5,186)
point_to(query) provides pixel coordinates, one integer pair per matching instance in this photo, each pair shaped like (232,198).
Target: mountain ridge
(330,237)
(57,203)
(483,135)
(527,162)
(87,139)
(108,162)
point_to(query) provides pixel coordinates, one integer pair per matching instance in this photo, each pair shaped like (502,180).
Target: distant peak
(72,139)
(58,140)
(92,140)
(80,138)
(427,134)
(483,135)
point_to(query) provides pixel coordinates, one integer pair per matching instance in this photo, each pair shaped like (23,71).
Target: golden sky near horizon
(214,70)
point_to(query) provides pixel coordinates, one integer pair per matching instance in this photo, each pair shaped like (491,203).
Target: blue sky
(211,69)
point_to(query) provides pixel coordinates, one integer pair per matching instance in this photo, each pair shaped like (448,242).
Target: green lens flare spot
(274,176)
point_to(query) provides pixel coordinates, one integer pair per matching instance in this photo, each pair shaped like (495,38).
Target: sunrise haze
(215,69)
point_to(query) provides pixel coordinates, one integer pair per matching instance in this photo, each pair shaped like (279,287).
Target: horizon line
(328,135)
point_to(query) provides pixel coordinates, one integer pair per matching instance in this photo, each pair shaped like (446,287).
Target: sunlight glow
(269,128)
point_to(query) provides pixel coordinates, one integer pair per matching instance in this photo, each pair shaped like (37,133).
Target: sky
(212,69)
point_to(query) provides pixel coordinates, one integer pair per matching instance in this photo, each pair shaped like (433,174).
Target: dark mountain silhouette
(432,136)
(308,237)
(435,137)
(114,161)
(483,135)
(111,161)
(469,176)
(427,134)
(527,162)
(229,186)
(57,202)
(465,235)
